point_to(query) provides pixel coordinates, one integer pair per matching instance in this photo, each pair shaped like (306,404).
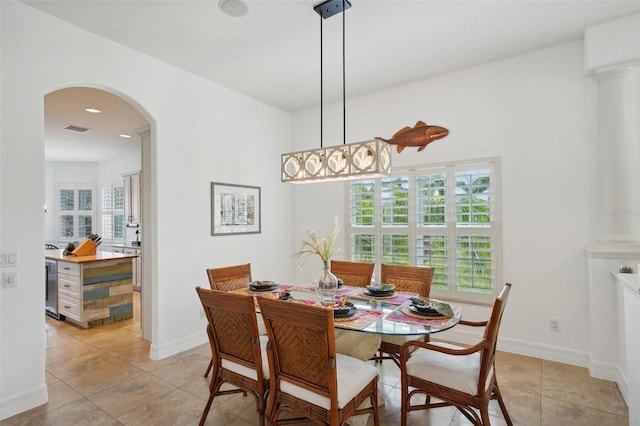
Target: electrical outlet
(9,279)
(554,324)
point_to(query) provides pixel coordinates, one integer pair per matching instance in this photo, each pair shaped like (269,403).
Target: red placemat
(400,316)
(360,320)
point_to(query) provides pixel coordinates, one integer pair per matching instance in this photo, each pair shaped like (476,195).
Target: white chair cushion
(250,372)
(262,329)
(357,344)
(459,372)
(353,375)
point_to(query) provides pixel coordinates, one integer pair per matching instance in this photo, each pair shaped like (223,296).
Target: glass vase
(326,284)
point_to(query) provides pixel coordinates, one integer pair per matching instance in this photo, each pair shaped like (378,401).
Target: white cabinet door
(132,197)
(137,267)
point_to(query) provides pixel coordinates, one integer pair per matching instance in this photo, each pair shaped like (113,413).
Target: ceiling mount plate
(328,8)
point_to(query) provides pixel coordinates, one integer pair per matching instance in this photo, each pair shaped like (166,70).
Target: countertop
(98,257)
(123,245)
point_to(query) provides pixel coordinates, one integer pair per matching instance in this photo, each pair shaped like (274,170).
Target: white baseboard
(23,401)
(158,352)
(598,370)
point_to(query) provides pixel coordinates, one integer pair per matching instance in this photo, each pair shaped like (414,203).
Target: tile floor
(103,376)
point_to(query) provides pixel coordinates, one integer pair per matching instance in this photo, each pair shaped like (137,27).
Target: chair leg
(484,413)
(205,413)
(404,403)
(206,373)
(498,396)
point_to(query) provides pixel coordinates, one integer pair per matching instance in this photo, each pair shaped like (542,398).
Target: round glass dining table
(386,316)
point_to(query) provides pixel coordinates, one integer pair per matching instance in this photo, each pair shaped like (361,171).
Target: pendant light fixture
(356,160)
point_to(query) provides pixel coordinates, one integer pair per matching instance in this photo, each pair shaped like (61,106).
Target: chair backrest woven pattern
(353,273)
(303,343)
(233,327)
(416,279)
(230,278)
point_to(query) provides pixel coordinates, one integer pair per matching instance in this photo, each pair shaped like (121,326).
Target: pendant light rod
(326,10)
(321,82)
(344,95)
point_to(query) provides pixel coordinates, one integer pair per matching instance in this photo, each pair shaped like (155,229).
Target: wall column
(612,56)
(620,153)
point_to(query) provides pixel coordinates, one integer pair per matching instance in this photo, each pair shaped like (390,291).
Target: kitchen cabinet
(96,289)
(69,294)
(132,197)
(137,267)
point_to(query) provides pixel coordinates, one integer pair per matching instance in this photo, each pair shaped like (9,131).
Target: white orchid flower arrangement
(321,247)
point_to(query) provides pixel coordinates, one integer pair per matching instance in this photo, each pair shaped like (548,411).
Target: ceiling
(103,141)
(273,53)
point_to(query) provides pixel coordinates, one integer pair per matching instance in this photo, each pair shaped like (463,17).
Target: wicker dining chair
(353,273)
(415,279)
(461,377)
(308,378)
(239,353)
(228,278)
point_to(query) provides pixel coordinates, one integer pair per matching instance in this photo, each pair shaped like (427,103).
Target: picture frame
(235,209)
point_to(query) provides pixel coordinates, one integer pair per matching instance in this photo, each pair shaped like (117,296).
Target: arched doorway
(96,138)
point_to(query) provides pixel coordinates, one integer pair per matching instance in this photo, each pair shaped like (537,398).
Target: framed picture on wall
(235,209)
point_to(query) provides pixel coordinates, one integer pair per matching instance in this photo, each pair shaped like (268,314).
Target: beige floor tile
(556,412)
(55,337)
(77,348)
(391,410)
(184,371)
(77,413)
(74,366)
(388,372)
(143,362)
(574,385)
(113,339)
(50,378)
(107,372)
(60,394)
(239,405)
(130,394)
(524,407)
(174,408)
(519,377)
(519,360)
(223,417)
(199,388)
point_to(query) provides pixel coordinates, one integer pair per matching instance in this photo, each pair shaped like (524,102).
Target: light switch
(9,279)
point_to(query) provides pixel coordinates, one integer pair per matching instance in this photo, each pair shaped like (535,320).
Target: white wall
(201,132)
(538,112)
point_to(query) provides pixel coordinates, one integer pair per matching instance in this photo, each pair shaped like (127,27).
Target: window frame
(450,229)
(112,212)
(76,212)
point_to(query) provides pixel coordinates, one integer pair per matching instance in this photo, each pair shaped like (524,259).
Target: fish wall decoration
(420,135)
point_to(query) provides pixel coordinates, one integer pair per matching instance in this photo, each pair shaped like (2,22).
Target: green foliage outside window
(473,257)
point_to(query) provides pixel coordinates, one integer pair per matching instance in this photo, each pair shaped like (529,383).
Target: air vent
(76,128)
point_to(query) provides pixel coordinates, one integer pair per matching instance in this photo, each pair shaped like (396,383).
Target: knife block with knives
(88,246)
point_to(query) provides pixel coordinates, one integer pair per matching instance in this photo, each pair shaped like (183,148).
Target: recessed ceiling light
(125,136)
(235,8)
(93,110)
